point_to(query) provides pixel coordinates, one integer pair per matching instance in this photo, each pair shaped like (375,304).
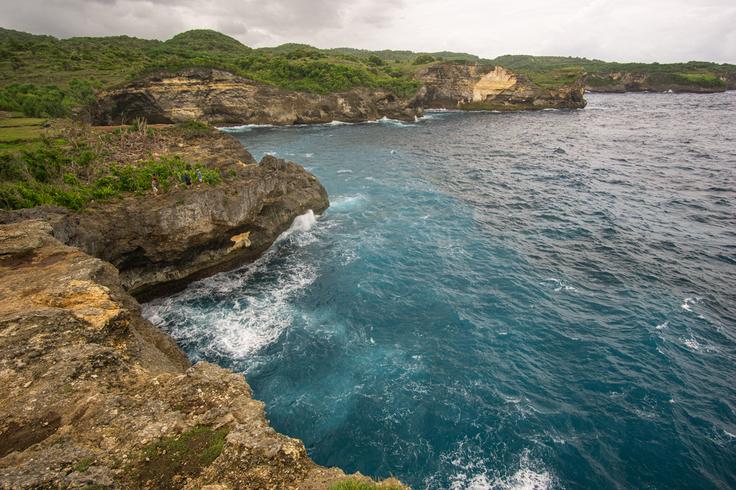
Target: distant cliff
(474,87)
(220,97)
(625,81)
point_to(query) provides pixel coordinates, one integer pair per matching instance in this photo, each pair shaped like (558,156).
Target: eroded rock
(93,395)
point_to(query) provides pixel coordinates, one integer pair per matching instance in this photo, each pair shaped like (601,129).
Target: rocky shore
(94,395)
(622,82)
(219,97)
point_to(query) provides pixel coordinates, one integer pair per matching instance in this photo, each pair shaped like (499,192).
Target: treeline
(46,100)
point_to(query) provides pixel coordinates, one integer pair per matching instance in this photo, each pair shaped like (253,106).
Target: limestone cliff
(220,97)
(94,396)
(223,98)
(620,82)
(161,242)
(472,87)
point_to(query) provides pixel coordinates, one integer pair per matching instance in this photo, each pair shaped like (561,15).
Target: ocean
(498,300)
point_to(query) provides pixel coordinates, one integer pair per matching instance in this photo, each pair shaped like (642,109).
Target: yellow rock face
(492,84)
(240,241)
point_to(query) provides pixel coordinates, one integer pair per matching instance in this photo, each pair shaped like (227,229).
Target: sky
(614,30)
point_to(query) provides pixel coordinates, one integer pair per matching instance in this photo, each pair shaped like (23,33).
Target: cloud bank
(618,30)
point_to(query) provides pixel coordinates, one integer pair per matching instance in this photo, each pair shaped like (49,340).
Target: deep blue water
(529,300)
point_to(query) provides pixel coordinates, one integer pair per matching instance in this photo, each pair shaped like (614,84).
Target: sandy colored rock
(93,395)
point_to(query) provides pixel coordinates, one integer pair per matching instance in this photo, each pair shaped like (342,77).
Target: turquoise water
(530,300)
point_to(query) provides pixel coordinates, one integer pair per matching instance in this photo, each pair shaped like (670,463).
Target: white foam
(662,326)
(344,171)
(308,155)
(249,321)
(691,343)
(560,285)
(688,303)
(243,127)
(301,223)
(339,123)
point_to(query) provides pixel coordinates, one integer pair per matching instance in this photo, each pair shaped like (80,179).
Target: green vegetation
(48,77)
(48,167)
(84,464)
(186,454)
(355,484)
(697,73)
(46,101)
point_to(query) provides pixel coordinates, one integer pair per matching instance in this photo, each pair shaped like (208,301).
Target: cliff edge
(94,396)
(487,87)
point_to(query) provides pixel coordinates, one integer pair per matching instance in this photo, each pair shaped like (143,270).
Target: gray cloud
(624,30)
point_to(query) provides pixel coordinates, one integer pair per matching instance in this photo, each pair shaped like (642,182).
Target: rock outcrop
(220,97)
(620,82)
(473,87)
(94,396)
(159,243)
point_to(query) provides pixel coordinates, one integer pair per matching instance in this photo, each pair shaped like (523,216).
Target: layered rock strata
(474,87)
(220,97)
(159,243)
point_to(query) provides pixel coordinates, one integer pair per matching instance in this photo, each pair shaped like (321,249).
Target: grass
(186,454)
(84,464)
(74,168)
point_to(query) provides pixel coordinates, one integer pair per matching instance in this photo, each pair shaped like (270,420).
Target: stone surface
(161,242)
(92,395)
(220,97)
(486,87)
(620,82)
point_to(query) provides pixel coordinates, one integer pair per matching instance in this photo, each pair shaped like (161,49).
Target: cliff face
(471,87)
(160,243)
(620,82)
(94,396)
(223,98)
(220,97)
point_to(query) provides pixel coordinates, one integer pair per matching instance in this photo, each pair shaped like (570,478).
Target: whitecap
(691,343)
(662,326)
(308,155)
(688,303)
(344,171)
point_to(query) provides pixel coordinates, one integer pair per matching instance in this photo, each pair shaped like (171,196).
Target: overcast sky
(620,30)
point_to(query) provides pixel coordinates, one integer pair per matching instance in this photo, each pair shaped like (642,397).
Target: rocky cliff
(161,242)
(620,82)
(220,97)
(94,396)
(472,87)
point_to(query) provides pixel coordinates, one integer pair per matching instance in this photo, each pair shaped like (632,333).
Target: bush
(423,59)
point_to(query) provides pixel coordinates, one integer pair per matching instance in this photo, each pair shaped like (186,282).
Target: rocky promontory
(94,396)
(219,97)
(161,242)
(487,87)
(633,81)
